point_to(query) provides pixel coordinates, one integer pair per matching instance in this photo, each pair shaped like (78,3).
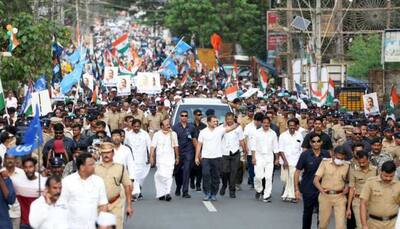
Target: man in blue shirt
(308,163)
(187,140)
(7,197)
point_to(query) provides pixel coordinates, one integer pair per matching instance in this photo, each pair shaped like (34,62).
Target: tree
(365,52)
(237,21)
(33,56)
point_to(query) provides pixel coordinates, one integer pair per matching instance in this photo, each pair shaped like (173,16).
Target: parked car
(203,104)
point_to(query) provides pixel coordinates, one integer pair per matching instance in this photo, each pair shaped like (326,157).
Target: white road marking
(210,207)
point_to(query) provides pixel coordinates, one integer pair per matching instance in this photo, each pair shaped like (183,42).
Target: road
(243,212)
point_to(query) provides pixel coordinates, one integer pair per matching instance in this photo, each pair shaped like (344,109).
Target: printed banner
(148,82)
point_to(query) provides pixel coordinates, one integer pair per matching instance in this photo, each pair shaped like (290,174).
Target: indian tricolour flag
(2,99)
(394,98)
(262,79)
(231,92)
(331,92)
(121,44)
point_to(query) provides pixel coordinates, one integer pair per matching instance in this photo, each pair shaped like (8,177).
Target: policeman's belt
(115,198)
(385,218)
(333,192)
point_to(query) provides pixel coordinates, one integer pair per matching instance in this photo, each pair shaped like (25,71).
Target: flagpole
(173,51)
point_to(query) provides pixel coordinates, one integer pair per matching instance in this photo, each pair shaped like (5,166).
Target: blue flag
(181,47)
(33,137)
(300,89)
(169,68)
(40,84)
(57,49)
(72,78)
(75,56)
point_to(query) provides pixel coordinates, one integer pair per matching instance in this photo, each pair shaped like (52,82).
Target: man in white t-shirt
(164,153)
(209,150)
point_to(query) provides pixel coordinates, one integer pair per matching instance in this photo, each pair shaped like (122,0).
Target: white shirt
(140,144)
(212,142)
(44,216)
(123,156)
(3,150)
(164,144)
(13,102)
(83,198)
(231,141)
(15,209)
(290,145)
(265,143)
(249,133)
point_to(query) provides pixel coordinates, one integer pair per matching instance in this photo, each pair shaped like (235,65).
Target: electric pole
(318,55)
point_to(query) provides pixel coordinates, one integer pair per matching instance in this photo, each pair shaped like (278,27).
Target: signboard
(148,82)
(272,20)
(275,40)
(207,57)
(391,46)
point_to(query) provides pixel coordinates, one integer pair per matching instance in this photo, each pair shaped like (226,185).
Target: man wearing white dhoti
(164,153)
(139,141)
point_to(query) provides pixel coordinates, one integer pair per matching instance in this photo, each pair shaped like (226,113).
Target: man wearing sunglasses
(356,138)
(309,162)
(318,129)
(187,140)
(195,175)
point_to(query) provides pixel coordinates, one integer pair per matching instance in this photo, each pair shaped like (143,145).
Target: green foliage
(365,51)
(236,21)
(33,56)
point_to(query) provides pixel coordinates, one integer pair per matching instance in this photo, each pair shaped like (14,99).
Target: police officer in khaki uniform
(138,114)
(333,189)
(303,118)
(338,132)
(395,149)
(115,176)
(357,178)
(154,119)
(380,199)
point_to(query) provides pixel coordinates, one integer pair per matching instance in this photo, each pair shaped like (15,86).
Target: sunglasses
(199,114)
(183,115)
(357,133)
(317,141)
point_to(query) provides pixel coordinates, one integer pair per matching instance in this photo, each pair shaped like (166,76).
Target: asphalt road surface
(244,212)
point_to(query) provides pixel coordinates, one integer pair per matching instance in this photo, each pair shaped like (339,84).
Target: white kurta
(249,133)
(265,144)
(165,160)
(140,144)
(83,197)
(123,156)
(44,216)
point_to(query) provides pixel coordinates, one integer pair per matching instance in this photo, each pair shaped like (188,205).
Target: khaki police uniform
(154,122)
(386,145)
(338,135)
(114,176)
(303,123)
(382,202)
(281,122)
(114,120)
(357,179)
(246,120)
(140,115)
(394,151)
(333,179)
